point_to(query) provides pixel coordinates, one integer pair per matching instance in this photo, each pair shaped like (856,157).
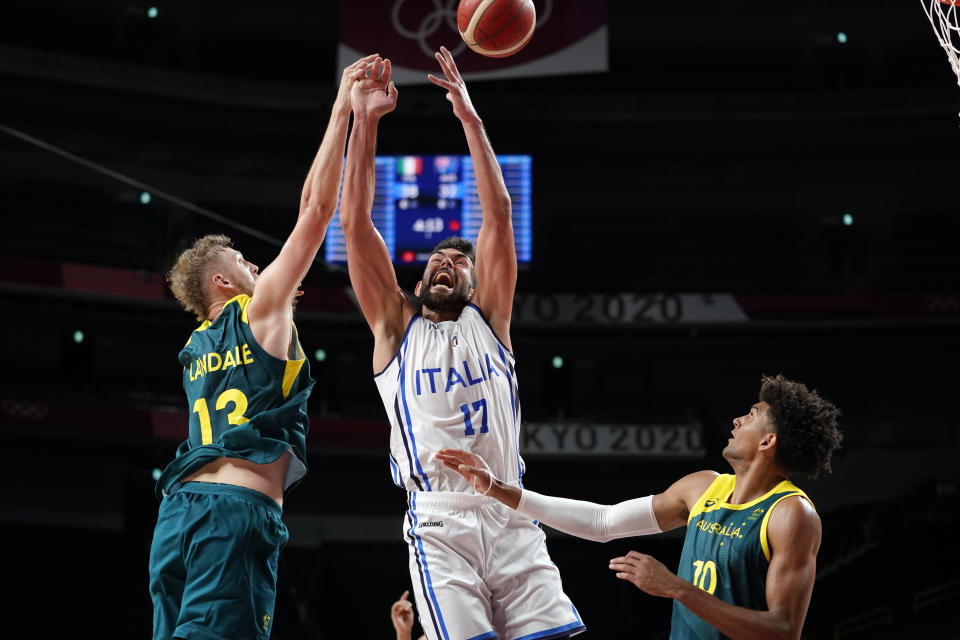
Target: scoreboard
(420,200)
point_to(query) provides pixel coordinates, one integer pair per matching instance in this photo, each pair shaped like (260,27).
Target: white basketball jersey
(451,385)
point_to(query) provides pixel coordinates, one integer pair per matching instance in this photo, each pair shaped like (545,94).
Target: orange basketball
(496,28)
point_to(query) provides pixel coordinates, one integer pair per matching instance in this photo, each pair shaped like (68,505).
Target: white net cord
(943,18)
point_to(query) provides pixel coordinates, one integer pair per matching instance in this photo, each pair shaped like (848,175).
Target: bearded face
(447,281)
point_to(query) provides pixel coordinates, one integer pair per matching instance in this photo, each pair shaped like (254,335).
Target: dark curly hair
(465,247)
(805,424)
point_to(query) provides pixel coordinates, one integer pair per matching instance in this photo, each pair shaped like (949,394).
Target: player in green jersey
(213,560)
(749,556)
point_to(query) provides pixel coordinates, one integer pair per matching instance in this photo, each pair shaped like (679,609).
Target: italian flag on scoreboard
(409,165)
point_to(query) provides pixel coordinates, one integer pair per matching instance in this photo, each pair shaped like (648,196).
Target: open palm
(469,465)
(454,84)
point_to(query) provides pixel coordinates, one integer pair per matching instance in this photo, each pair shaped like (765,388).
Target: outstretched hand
(401,614)
(351,74)
(455,86)
(470,466)
(646,573)
(374,93)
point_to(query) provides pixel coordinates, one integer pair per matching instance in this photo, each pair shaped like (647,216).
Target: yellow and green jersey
(726,553)
(243,402)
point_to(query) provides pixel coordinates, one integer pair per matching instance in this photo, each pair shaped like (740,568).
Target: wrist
(363,115)
(471,120)
(341,108)
(506,493)
(680,590)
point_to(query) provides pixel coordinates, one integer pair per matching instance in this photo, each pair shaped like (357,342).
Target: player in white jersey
(445,371)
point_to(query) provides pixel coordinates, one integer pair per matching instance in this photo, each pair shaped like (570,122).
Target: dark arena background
(733,189)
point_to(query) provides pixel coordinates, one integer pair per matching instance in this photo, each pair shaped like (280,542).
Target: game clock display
(420,200)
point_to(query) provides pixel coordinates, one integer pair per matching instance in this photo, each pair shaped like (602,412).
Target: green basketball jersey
(725,553)
(244,402)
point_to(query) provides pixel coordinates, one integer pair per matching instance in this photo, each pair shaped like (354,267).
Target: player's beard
(455,301)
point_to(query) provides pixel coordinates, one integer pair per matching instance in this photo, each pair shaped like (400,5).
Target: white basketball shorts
(481,571)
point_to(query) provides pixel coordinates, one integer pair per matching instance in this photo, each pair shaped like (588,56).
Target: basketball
(496,28)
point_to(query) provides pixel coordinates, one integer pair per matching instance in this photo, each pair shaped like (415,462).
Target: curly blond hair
(187,276)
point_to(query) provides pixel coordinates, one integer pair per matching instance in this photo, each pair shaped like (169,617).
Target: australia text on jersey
(210,362)
(454,377)
(718,529)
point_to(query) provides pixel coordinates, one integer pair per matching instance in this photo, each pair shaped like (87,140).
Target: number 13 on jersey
(230,396)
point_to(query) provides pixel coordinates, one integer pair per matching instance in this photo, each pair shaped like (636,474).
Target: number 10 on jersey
(480,406)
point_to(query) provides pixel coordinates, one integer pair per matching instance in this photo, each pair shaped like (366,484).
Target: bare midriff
(266,478)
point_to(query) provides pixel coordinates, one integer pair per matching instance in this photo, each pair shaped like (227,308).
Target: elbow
(500,211)
(592,537)
(776,628)
(320,211)
(349,221)
(504,204)
(785,631)
(600,537)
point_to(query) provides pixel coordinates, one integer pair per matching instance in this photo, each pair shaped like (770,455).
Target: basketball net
(943,16)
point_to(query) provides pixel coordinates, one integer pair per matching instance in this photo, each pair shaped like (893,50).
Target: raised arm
(588,520)
(793,533)
(319,190)
(383,303)
(496,262)
(271,312)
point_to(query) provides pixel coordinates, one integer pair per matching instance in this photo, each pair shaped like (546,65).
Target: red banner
(570,37)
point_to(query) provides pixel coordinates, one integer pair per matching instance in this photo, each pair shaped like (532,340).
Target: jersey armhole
(764,543)
(396,355)
(489,326)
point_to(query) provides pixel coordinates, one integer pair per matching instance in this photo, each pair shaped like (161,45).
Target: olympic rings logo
(445,13)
